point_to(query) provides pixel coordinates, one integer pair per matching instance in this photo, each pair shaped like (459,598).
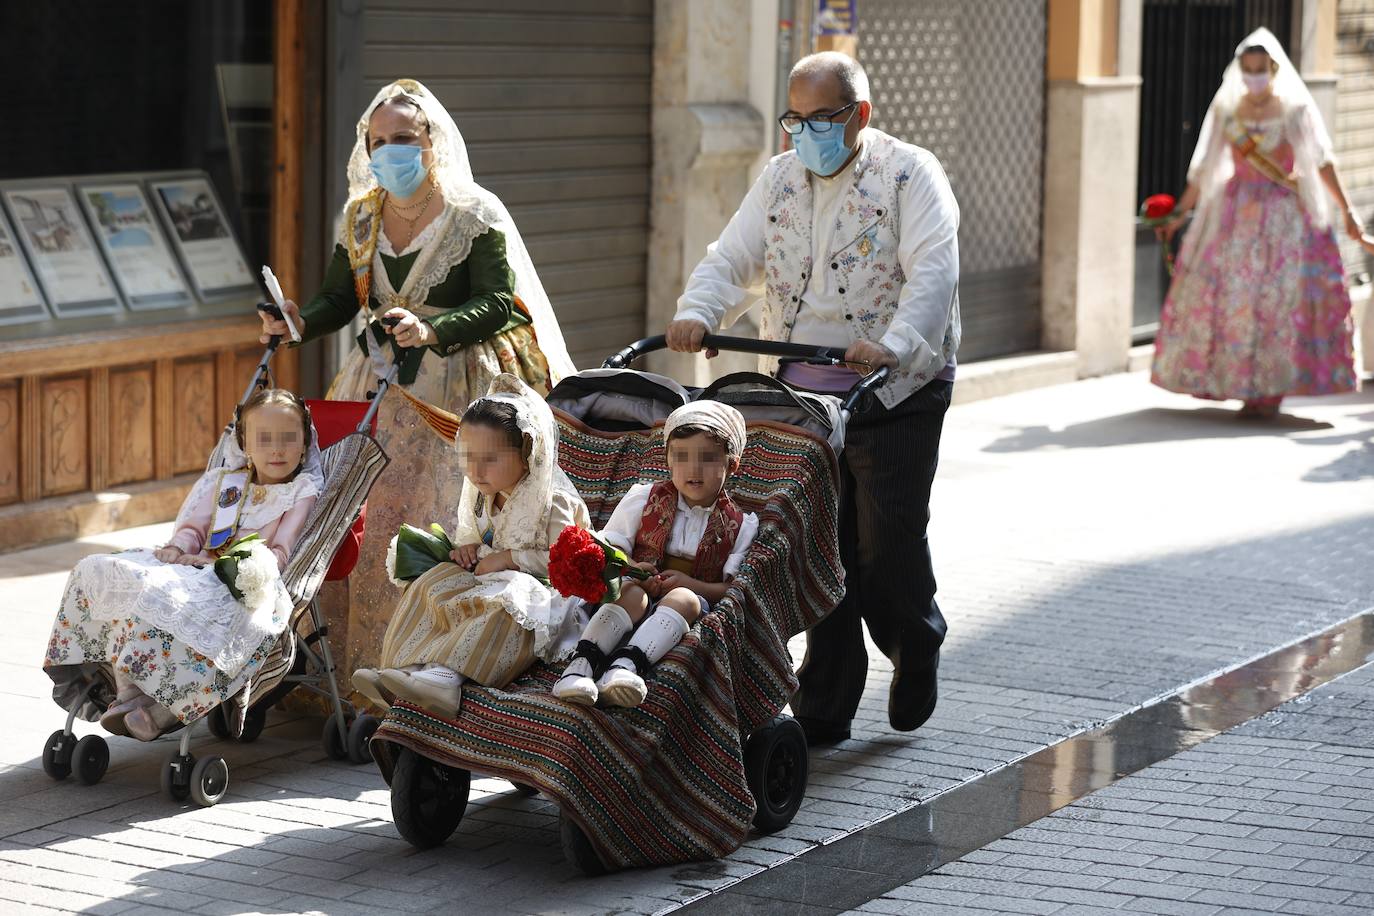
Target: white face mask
(1256,82)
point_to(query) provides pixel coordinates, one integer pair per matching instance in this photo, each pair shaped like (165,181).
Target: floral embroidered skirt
(85,647)
(421,484)
(1262,311)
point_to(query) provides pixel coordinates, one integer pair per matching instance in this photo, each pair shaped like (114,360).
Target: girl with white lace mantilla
(689,535)
(438,271)
(166,623)
(487,615)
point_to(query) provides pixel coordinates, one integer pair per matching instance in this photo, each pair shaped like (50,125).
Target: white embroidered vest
(864,256)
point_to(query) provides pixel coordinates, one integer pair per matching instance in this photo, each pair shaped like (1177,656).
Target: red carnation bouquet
(581,565)
(1157,210)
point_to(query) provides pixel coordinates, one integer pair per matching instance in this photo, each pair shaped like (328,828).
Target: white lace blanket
(189,602)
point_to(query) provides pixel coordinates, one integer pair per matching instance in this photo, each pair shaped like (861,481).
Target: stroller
(685,775)
(351,461)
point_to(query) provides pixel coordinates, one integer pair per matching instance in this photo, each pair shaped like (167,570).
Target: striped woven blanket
(663,782)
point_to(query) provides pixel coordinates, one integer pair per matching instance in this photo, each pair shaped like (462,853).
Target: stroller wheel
(57,754)
(176,775)
(218,722)
(209,781)
(427,799)
(91,758)
(360,737)
(334,744)
(775,763)
(577,849)
(254,721)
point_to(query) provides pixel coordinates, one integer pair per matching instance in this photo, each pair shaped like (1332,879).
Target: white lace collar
(426,236)
(270,501)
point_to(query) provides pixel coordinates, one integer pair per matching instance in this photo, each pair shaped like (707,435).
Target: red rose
(1158,206)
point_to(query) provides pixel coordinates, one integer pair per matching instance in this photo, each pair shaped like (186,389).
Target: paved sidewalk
(1097,544)
(1276,816)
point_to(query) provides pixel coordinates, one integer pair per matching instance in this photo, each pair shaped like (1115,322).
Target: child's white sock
(655,636)
(623,682)
(605,630)
(608,626)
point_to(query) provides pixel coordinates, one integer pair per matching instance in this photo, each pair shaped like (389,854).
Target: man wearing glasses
(854,235)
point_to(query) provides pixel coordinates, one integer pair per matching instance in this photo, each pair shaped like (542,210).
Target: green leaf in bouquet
(442,535)
(418,551)
(612,579)
(227,571)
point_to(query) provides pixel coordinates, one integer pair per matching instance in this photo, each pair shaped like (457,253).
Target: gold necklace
(410,221)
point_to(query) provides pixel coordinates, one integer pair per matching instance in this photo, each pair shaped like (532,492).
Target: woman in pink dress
(1258,309)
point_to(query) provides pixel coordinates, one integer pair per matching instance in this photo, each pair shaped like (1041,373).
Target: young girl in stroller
(689,535)
(487,615)
(161,637)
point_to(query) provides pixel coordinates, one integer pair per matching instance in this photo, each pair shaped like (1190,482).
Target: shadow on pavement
(1154,424)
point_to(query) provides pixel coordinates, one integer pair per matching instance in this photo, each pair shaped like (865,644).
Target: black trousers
(886,471)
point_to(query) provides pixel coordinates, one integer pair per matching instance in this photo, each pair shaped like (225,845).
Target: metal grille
(966,81)
(553,99)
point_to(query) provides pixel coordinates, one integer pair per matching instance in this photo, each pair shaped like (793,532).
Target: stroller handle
(829,356)
(634,351)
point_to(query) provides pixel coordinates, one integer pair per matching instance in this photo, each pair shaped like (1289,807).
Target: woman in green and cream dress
(439,273)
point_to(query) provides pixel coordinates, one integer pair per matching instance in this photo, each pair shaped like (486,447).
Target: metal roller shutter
(966,81)
(553,99)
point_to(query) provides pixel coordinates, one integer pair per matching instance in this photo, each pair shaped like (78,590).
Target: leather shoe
(914,692)
(823,734)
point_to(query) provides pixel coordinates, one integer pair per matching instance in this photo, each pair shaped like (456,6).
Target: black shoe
(823,734)
(914,692)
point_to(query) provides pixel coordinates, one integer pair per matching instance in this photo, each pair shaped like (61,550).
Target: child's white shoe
(576,688)
(621,687)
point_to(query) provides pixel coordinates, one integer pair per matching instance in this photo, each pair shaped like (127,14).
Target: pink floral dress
(1261,311)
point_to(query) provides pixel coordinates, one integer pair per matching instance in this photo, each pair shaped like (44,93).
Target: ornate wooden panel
(198,423)
(131,425)
(9,442)
(65,461)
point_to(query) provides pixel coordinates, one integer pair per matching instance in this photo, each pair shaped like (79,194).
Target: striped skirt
(450,617)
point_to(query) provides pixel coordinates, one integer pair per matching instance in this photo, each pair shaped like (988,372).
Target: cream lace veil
(1212,165)
(453,173)
(524,520)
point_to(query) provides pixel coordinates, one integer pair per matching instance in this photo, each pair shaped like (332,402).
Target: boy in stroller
(689,535)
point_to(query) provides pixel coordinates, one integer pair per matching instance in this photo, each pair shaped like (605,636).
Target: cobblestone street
(1098,545)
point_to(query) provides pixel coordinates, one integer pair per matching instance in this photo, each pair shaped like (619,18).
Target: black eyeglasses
(794,124)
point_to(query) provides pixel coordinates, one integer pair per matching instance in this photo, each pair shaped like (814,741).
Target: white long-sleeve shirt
(928,251)
(689,525)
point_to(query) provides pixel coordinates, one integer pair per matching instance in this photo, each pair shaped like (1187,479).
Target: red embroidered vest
(722,528)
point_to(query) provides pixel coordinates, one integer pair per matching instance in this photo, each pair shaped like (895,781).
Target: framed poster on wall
(201,234)
(20,298)
(61,250)
(137,251)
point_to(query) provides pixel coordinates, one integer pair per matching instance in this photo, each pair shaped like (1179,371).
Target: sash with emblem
(230,496)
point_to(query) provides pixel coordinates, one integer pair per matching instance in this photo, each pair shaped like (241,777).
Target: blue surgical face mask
(823,153)
(399,168)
